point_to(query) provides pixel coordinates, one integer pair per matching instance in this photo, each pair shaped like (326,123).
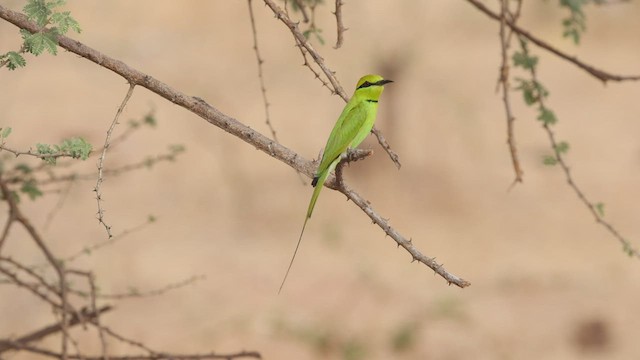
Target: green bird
(352,127)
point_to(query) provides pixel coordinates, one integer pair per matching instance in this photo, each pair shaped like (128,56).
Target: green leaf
(24,168)
(319,37)
(528,90)
(38,11)
(149,162)
(150,120)
(600,209)
(38,42)
(549,160)
(547,117)
(55,3)
(31,189)
(176,148)
(562,147)
(15,60)
(575,24)
(77,148)
(525,61)
(64,22)
(46,149)
(354,350)
(540,90)
(5,132)
(404,337)
(133,291)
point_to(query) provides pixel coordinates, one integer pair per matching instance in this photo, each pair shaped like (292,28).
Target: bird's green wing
(347,127)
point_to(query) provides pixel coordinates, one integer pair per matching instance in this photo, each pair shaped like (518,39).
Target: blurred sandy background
(547,282)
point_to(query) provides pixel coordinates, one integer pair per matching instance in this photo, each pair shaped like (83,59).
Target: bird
(351,128)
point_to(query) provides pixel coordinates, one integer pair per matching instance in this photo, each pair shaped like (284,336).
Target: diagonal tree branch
(228,124)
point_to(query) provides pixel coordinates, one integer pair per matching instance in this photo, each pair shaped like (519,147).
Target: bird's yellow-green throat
(352,127)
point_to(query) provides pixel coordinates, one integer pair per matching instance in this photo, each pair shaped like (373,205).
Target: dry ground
(547,282)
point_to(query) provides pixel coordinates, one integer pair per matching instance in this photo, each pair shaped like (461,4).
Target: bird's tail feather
(316,192)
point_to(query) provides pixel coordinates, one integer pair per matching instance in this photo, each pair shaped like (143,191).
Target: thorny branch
(231,125)
(336,88)
(341,29)
(263,89)
(107,143)
(260,61)
(504,82)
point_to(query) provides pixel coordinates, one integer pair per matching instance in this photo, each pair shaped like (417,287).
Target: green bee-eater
(352,127)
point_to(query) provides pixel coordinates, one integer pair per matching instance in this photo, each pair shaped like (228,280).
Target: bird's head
(370,87)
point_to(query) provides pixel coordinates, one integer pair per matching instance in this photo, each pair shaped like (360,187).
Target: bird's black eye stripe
(364,85)
(377,83)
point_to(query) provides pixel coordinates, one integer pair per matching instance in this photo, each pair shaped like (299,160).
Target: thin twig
(504,82)
(260,61)
(61,200)
(110,241)
(107,143)
(91,279)
(155,292)
(385,145)
(263,88)
(30,152)
(15,280)
(40,281)
(341,29)
(601,75)
(145,163)
(85,314)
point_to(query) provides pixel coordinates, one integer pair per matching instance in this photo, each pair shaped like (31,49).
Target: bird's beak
(383,81)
